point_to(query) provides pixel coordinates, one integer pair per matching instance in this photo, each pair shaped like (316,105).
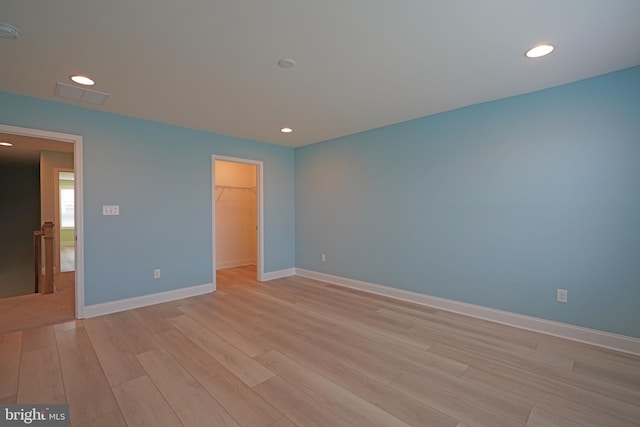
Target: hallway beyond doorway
(34,310)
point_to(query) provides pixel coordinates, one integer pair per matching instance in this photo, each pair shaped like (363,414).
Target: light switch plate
(110,210)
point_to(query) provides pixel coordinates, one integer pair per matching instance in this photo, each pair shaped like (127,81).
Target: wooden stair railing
(37,236)
(48,234)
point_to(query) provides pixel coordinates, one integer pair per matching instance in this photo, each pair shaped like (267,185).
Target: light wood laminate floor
(295,351)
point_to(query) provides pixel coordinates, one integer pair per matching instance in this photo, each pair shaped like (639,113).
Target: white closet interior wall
(236,214)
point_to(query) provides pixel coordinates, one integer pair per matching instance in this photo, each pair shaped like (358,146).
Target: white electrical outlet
(561,295)
(324,258)
(156,273)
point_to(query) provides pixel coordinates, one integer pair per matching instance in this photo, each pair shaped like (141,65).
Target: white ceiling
(361,64)
(26,149)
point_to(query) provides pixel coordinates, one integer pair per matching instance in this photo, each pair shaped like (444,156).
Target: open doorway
(73,144)
(237,214)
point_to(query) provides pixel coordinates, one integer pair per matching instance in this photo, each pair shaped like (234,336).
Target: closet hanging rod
(235,187)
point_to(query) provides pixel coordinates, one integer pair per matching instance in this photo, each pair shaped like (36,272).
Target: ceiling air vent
(81,94)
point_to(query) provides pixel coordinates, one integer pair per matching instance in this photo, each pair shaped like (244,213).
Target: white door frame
(76,140)
(260,205)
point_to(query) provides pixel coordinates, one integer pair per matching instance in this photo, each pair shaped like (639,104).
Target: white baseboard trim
(145,300)
(576,333)
(272,275)
(235,263)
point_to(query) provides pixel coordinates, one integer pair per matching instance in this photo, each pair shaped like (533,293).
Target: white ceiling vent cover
(80,94)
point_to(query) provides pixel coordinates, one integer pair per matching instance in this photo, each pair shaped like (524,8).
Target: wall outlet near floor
(561,295)
(156,273)
(323,257)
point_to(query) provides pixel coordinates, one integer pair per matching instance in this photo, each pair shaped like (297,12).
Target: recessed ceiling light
(286,130)
(83,80)
(6,144)
(9,31)
(286,63)
(539,50)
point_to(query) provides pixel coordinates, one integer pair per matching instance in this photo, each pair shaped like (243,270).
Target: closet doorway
(237,214)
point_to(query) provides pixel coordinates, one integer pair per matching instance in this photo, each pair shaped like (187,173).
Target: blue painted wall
(160,175)
(496,204)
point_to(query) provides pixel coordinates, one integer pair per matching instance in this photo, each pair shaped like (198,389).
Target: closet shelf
(234,187)
(231,187)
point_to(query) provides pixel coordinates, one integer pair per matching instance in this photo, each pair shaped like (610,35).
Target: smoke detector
(9,31)
(286,63)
